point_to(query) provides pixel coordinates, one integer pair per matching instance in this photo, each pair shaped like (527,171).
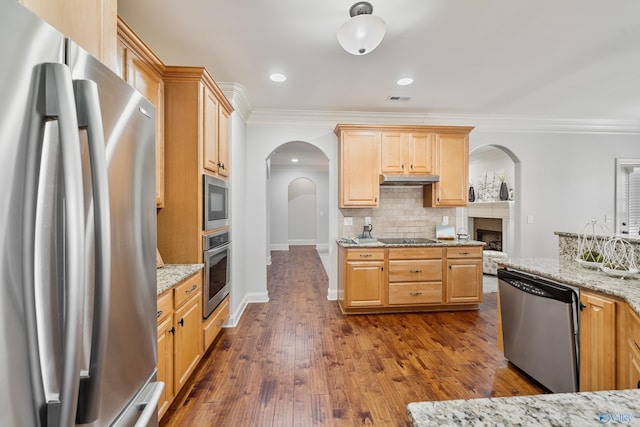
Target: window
(628,197)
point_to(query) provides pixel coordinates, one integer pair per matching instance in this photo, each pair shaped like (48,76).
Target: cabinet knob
(415,271)
(402,166)
(193,288)
(158,314)
(181,321)
(365,255)
(172,331)
(416,293)
(411,166)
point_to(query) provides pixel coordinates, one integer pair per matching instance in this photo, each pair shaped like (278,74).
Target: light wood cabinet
(407,152)
(359,168)
(180,345)
(377,280)
(629,349)
(464,275)
(452,165)
(212,326)
(91,24)
(143,70)
(216,134)
(415,276)
(366,151)
(597,342)
(223,142)
(190,114)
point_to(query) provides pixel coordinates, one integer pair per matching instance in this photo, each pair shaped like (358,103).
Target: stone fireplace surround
(492,223)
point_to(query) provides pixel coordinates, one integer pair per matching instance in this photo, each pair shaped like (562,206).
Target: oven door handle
(217,250)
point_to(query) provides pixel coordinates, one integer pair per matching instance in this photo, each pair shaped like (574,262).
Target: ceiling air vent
(398,98)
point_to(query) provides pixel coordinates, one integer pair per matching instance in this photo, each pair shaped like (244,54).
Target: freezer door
(130,331)
(25,42)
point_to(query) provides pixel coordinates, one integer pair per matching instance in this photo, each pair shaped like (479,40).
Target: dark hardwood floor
(297,361)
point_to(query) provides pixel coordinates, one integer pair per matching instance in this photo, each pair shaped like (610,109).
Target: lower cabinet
(180,344)
(597,342)
(415,276)
(409,278)
(212,326)
(464,275)
(629,358)
(364,278)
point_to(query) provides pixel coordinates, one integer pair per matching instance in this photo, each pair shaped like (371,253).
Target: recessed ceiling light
(405,81)
(278,77)
(294,160)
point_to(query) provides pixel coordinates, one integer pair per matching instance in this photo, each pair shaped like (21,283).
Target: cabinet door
(464,281)
(597,343)
(452,165)
(359,169)
(210,123)
(365,284)
(422,151)
(223,142)
(394,152)
(188,339)
(149,83)
(166,332)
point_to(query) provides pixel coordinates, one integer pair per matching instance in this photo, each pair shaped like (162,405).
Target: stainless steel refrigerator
(78,340)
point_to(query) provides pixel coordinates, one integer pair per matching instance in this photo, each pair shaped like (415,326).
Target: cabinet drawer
(165,306)
(415,271)
(415,293)
(188,288)
(213,325)
(465,252)
(415,253)
(365,254)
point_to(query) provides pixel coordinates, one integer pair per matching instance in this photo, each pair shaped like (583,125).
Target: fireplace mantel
(498,209)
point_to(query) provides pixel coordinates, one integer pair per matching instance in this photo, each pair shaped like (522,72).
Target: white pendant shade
(361,34)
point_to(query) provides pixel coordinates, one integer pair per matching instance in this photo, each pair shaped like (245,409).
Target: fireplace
(488,230)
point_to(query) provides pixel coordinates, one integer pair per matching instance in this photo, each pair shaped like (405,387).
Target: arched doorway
(489,167)
(288,163)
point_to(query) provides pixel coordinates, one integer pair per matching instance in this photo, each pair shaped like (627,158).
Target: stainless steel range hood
(390,179)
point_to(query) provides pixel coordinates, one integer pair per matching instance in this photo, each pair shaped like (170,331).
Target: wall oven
(215,203)
(217,269)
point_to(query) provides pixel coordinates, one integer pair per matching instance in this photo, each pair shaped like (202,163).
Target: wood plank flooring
(297,361)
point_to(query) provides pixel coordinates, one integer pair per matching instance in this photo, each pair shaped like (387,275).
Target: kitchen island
(585,408)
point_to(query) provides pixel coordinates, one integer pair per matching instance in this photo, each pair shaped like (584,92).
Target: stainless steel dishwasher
(540,329)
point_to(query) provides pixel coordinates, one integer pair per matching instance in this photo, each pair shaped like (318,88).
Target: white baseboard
(301,242)
(332,295)
(322,247)
(234,317)
(257,297)
(279,247)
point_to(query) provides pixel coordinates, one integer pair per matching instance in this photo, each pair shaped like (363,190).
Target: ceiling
(548,58)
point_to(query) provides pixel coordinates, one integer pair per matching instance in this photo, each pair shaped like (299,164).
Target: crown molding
(237,95)
(482,123)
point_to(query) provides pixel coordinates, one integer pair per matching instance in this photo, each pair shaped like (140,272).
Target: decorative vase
(504,191)
(472,194)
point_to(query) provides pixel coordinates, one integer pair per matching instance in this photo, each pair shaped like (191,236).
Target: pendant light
(363,32)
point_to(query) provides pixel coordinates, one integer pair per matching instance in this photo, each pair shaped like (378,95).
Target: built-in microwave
(215,203)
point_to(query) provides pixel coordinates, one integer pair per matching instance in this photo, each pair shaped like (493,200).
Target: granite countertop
(562,409)
(172,274)
(433,243)
(573,274)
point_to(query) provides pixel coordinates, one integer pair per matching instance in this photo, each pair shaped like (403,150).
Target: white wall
(302,211)
(278,188)
(565,180)
(261,141)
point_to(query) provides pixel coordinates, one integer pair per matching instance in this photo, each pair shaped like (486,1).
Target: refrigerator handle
(57,102)
(90,118)
(150,405)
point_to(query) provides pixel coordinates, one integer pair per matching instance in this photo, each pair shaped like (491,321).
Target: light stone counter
(564,409)
(172,274)
(434,243)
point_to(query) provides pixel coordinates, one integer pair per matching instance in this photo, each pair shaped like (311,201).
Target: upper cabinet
(216,134)
(452,165)
(366,151)
(91,24)
(143,70)
(407,152)
(359,167)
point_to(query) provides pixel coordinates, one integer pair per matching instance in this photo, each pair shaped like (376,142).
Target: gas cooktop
(400,240)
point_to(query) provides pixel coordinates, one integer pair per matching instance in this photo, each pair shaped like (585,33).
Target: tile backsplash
(400,214)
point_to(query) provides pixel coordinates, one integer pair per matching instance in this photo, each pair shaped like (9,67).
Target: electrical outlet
(367,220)
(529,219)
(348,220)
(445,220)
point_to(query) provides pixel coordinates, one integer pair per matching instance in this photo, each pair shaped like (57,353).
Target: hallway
(297,361)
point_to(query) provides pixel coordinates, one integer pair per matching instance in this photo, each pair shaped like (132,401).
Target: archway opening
(302,212)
